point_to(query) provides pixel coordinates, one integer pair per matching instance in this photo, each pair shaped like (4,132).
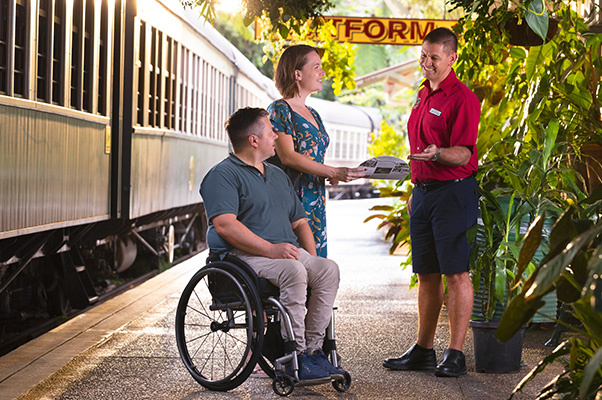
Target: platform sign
(371,30)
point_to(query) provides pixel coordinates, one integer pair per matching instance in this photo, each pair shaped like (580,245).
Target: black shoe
(417,358)
(453,364)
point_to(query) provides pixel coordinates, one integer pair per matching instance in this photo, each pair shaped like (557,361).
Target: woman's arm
(289,157)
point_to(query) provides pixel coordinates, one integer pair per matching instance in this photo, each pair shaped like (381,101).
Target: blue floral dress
(311,141)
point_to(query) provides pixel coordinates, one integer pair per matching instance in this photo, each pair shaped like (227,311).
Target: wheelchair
(228,320)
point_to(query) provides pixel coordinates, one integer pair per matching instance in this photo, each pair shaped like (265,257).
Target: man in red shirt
(443,131)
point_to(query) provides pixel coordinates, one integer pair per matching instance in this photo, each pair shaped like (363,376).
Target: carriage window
(76,51)
(173,76)
(103,67)
(88,57)
(43,48)
(3,46)
(183,88)
(212,83)
(154,95)
(151,78)
(140,65)
(58,58)
(170,87)
(20,77)
(50,51)
(202,112)
(196,79)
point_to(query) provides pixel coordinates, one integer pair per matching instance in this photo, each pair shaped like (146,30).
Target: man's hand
(426,155)
(284,251)
(454,156)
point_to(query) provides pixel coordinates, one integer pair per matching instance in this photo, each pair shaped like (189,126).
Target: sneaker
(308,370)
(320,358)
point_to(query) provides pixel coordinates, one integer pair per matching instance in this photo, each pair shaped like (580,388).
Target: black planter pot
(523,35)
(490,355)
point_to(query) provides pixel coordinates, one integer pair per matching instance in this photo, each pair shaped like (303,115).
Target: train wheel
(57,303)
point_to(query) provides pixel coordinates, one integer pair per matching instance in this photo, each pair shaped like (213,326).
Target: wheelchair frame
(221,321)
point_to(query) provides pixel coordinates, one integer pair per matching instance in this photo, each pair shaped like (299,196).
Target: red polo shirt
(446,117)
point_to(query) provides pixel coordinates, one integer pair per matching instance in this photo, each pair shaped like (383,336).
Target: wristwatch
(437,155)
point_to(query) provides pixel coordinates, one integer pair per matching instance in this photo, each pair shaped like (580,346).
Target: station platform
(125,347)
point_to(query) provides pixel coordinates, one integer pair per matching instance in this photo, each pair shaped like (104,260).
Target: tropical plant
(283,15)
(528,137)
(557,81)
(551,106)
(337,57)
(573,269)
(533,182)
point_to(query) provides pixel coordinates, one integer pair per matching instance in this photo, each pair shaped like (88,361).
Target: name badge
(435,112)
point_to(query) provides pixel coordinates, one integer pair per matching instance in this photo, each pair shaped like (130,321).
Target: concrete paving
(125,348)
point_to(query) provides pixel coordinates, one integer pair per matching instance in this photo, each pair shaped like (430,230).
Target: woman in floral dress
(302,140)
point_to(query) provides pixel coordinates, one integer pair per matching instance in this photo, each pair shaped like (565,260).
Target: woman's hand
(344,174)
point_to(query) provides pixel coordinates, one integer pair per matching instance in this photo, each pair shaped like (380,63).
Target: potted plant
(522,177)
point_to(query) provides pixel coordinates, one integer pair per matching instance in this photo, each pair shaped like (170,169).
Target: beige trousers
(293,277)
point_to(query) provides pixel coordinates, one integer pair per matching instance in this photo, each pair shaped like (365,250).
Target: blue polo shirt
(267,205)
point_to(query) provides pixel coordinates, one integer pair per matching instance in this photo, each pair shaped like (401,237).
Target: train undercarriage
(46,277)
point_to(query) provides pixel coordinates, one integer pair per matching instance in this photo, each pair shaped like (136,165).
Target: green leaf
(590,371)
(370,218)
(561,233)
(594,197)
(536,59)
(518,312)
(536,16)
(550,272)
(594,270)
(518,53)
(500,280)
(562,350)
(570,283)
(550,140)
(382,208)
(283,31)
(530,245)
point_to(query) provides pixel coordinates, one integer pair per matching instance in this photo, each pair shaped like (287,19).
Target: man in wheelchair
(255,215)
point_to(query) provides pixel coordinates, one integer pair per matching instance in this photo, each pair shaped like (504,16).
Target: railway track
(20,329)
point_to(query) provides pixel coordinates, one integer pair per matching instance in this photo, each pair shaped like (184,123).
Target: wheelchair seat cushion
(266,288)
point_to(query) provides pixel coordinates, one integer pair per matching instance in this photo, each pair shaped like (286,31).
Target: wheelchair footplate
(283,384)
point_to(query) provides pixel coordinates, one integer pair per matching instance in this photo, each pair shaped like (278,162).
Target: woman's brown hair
(292,59)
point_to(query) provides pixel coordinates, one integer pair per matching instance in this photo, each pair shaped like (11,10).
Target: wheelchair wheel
(342,385)
(217,322)
(283,385)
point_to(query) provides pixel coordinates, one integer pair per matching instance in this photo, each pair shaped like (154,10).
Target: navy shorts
(438,224)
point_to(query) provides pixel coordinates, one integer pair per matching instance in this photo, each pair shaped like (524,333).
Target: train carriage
(111,112)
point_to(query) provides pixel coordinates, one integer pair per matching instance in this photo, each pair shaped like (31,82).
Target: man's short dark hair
(443,36)
(242,124)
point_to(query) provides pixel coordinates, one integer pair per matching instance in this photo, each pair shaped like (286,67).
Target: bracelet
(436,156)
